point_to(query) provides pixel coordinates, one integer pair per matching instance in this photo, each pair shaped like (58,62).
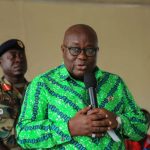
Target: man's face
(78,65)
(14,63)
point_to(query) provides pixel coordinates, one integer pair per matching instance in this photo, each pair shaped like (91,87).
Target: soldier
(12,86)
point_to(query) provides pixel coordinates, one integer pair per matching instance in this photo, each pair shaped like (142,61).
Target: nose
(18,58)
(82,55)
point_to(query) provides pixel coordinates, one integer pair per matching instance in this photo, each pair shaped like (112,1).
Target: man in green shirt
(56,112)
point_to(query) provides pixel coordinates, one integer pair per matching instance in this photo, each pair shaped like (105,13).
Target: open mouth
(17,67)
(81,67)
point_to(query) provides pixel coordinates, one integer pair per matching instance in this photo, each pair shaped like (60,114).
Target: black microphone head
(90,80)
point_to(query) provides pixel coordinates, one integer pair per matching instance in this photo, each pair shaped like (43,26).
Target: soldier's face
(13,63)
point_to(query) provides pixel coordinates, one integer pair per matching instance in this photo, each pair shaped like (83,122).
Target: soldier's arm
(3,147)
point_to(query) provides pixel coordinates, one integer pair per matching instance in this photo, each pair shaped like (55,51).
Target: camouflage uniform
(10,104)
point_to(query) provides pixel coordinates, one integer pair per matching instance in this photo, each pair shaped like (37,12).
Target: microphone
(91,84)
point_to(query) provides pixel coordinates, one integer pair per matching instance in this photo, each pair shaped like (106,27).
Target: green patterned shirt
(54,97)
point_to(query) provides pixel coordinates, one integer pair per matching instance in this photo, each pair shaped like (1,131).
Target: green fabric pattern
(54,97)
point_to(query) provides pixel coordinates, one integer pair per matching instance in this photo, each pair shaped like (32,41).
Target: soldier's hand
(3,147)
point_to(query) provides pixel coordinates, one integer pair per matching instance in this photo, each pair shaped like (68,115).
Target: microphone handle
(113,135)
(93,99)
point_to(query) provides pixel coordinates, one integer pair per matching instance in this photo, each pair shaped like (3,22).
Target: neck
(15,79)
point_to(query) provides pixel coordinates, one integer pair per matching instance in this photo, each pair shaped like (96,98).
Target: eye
(74,50)
(90,51)
(21,55)
(11,56)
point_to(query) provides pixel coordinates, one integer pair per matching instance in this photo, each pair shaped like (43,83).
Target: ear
(0,60)
(62,48)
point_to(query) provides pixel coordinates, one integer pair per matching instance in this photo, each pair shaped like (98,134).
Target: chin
(18,74)
(79,75)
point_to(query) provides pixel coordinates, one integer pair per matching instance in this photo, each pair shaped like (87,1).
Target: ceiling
(140,2)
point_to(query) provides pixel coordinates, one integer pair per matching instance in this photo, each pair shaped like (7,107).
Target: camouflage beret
(11,44)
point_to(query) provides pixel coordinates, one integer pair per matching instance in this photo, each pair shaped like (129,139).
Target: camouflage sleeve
(2,146)
(7,133)
(4,112)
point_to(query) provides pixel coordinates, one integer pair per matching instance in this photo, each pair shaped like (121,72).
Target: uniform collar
(18,85)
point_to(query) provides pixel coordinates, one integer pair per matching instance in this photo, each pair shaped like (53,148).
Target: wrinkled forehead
(13,52)
(76,35)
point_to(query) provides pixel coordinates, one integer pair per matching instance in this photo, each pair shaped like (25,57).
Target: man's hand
(87,121)
(110,117)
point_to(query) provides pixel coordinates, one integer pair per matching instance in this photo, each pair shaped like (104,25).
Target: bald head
(81,29)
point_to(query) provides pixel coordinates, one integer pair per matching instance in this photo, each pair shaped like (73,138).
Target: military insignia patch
(20,44)
(1,111)
(110,98)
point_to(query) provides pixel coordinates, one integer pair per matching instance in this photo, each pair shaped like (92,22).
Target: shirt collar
(64,74)
(98,73)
